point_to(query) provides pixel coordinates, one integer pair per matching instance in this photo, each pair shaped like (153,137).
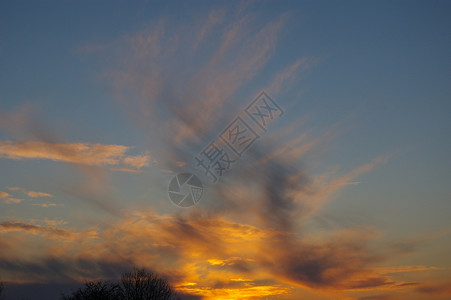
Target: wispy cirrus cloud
(286,77)
(167,81)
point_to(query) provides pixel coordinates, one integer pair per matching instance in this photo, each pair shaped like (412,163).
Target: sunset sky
(346,195)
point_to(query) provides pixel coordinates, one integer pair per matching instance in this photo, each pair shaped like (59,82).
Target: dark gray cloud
(60,270)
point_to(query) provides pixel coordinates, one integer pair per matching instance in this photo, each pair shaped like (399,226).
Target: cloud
(3,194)
(32,194)
(48,222)
(285,78)
(127,170)
(158,83)
(404,269)
(138,161)
(90,160)
(60,270)
(377,297)
(214,18)
(18,226)
(442,288)
(78,153)
(202,251)
(46,205)
(7,199)
(12,200)
(38,194)
(336,263)
(14,188)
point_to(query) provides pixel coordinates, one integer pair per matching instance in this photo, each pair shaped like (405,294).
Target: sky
(340,190)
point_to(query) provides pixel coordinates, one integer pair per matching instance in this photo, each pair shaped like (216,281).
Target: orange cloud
(8,199)
(12,200)
(78,153)
(32,194)
(38,194)
(214,257)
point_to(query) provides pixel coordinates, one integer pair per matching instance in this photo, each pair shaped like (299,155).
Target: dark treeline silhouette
(96,290)
(138,284)
(1,290)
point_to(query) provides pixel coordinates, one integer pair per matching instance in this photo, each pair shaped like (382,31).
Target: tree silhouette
(96,290)
(138,284)
(142,285)
(1,290)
